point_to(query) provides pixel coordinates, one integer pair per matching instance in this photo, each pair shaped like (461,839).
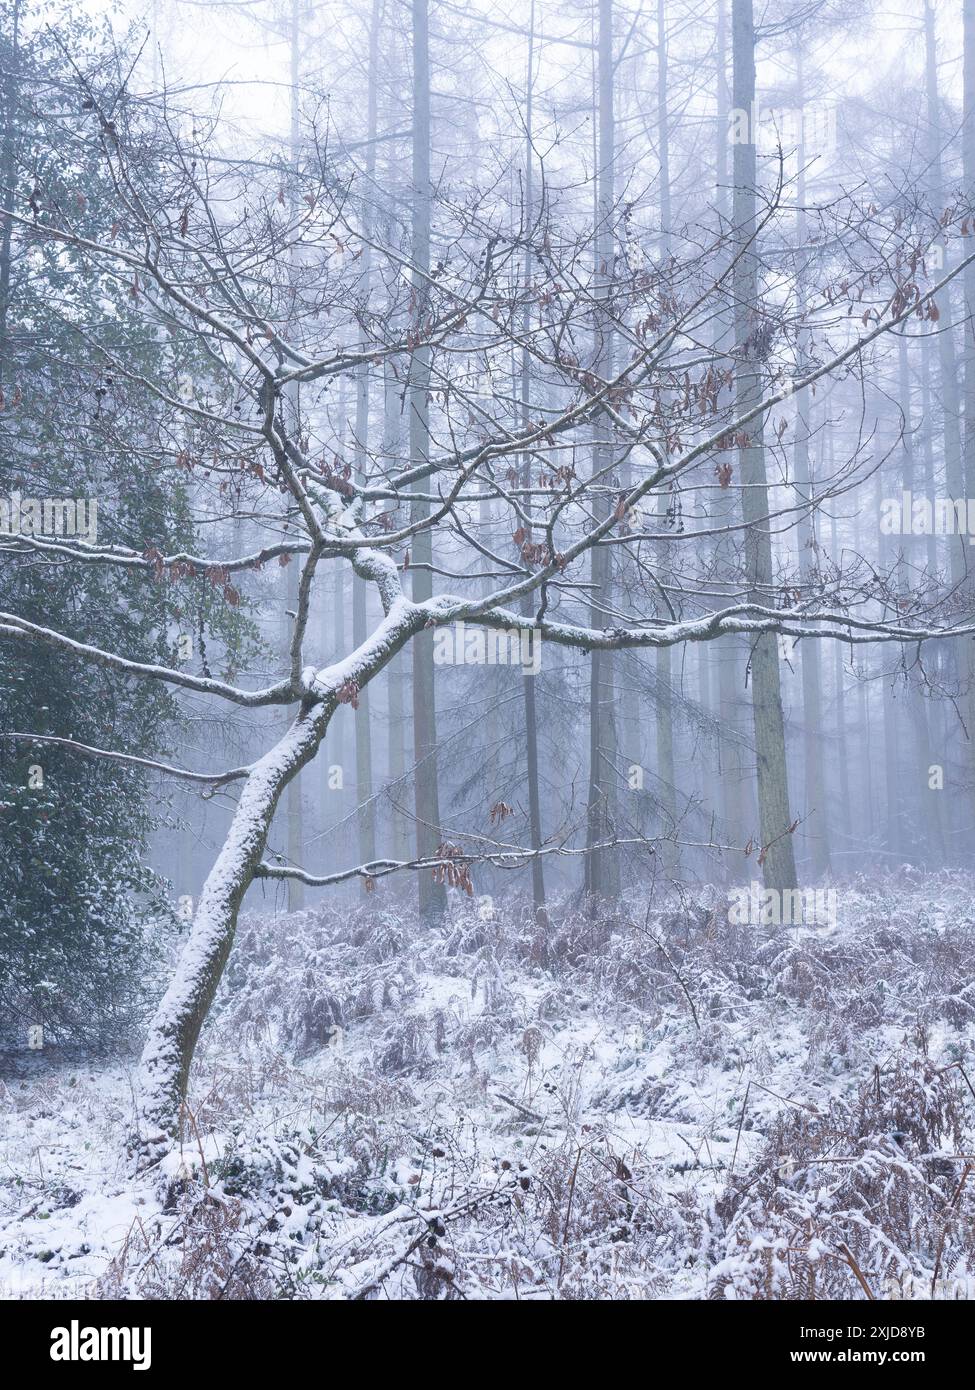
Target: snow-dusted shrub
(207,1253)
(296,982)
(673,1105)
(863,1195)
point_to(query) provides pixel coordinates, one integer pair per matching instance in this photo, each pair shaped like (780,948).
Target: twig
(531,1114)
(848,1257)
(944,1229)
(741,1121)
(568,1214)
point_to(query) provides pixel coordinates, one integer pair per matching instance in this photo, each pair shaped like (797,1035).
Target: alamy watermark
(756,906)
(49,516)
(460,645)
(909,515)
(813,127)
(77,1343)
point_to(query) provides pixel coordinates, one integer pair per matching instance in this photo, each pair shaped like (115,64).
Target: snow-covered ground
(663,1105)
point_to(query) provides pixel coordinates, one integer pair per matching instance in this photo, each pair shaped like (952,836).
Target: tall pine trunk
(363,723)
(816,828)
(528,677)
(728,649)
(775,818)
(432,895)
(666,769)
(8,199)
(602,865)
(928,801)
(294,809)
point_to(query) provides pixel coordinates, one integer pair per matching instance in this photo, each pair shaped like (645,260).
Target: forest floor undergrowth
(657,1104)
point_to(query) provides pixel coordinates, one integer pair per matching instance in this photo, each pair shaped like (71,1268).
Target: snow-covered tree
(254,263)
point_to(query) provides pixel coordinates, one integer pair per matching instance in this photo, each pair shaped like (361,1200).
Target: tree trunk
(775,818)
(602,865)
(173,1035)
(363,725)
(892,800)
(927,800)
(728,650)
(400,734)
(957,654)
(432,895)
(666,787)
(295,815)
(968,283)
(816,826)
(528,677)
(968,289)
(8,192)
(839,702)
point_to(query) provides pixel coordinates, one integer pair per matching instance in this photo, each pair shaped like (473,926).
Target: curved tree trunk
(173,1035)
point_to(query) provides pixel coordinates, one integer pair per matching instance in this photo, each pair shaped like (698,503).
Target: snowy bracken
(647,1106)
(486,813)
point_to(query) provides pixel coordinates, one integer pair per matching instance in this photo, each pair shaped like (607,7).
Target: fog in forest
(487,678)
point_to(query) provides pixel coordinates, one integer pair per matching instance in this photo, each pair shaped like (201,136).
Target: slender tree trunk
(957,655)
(867,818)
(935,659)
(294,807)
(363,725)
(602,865)
(728,650)
(954,473)
(968,284)
(775,817)
(839,702)
(8,192)
(927,436)
(968,288)
(295,812)
(927,800)
(339,750)
(816,827)
(666,769)
(528,677)
(892,799)
(432,895)
(400,732)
